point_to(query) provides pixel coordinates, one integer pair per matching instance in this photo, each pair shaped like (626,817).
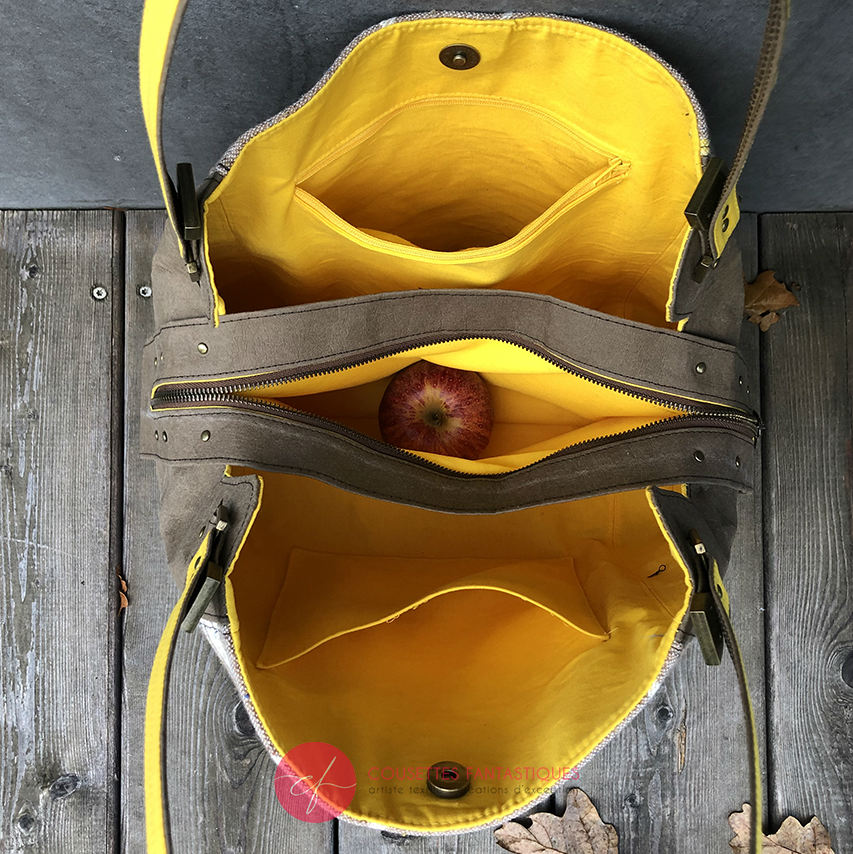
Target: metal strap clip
(210,573)
(189,211)
(704,620)
(700,212)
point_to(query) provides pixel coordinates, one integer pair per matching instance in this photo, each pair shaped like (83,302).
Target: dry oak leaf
(122,594)
(791,838)
(579,831)
(765,298)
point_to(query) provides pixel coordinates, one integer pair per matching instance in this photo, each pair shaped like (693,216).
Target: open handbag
(497,193)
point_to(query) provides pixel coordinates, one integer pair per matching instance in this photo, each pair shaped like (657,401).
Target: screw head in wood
(145,291)
(202,347)
(701,367)
(699,456)
(99,292)
(205,436)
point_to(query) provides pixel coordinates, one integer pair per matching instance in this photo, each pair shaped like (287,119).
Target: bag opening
(362,623)
(560,164)
(539,408)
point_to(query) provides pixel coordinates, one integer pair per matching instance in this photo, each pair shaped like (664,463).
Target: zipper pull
(209,574)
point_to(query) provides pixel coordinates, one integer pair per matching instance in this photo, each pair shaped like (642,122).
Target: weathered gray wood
(57,588)
(806,360)
(220,777)
(672,775)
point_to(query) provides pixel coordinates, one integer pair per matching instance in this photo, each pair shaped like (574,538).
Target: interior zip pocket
(544,405)
(399,186)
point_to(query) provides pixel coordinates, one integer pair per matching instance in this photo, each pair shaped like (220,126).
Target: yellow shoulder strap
(157,830)
(161,20)
(203,576)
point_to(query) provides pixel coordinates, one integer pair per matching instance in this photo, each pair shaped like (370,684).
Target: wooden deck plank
(637,780)
(58,608)
(806,364)
(220,777)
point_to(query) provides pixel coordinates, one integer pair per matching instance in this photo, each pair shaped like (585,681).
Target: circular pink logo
(315,781)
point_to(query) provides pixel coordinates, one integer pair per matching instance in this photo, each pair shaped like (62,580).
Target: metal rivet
(448,779)
(99,292)
(701,368)
(737,462)
(155,361)
(156,435)
(740,380)
(699,456)
(144,291)
(205,436)
(459,56)
(165,437)
(202,347)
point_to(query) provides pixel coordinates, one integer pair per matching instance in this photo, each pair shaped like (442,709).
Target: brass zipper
(231,394)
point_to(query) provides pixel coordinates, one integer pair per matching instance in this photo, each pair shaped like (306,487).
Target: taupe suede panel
(307,338)
(304,338)
(290,444)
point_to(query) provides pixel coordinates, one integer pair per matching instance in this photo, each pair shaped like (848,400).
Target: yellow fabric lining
(560,164)
(510,641)
(538,407)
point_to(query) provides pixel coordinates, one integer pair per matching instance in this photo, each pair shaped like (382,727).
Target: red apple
(440,410)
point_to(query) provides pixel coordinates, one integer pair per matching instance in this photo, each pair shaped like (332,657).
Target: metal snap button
(459,56)
(448,779)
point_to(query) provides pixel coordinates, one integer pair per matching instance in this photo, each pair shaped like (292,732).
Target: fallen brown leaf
(765,298)
(122,594)
(579,831)
(791,838)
